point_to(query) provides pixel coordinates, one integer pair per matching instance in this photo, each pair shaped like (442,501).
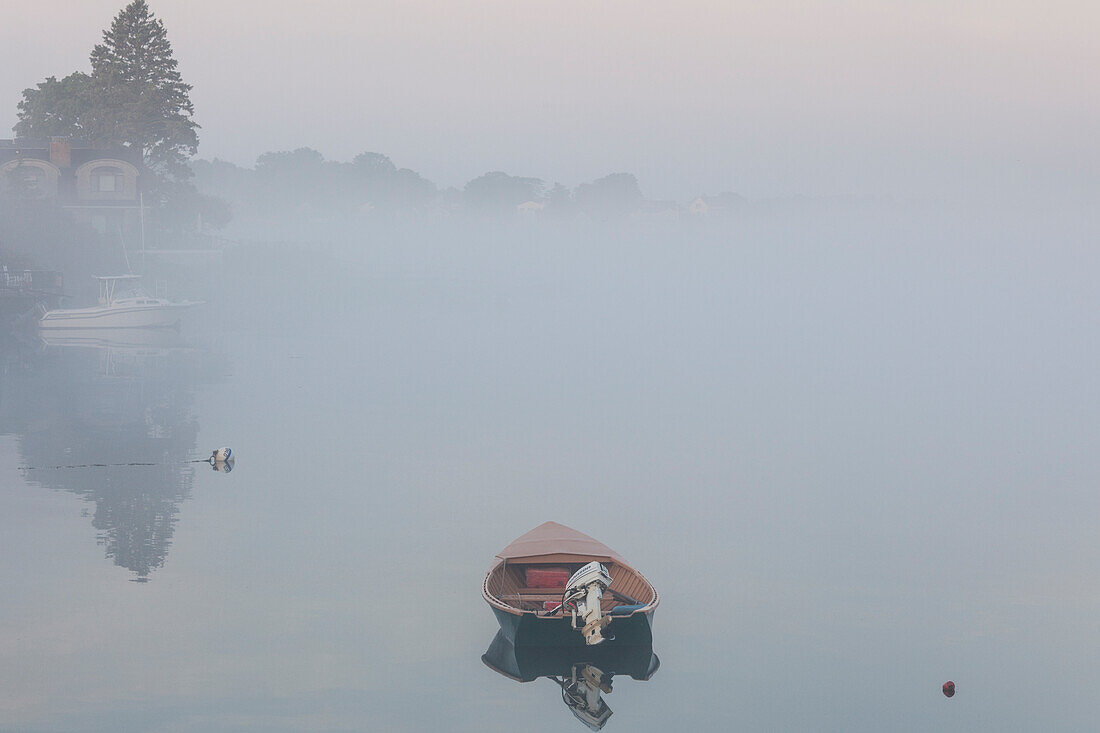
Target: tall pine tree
(145,102)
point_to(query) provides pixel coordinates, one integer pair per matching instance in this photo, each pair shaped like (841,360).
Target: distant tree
(412,189)
(227,181)
(292,178)
(134,97)
(613,195)
(373,166)
(559,200)
(292,181)
(498,191)
(301,161)
(192,211)
(371,178)
(220,177)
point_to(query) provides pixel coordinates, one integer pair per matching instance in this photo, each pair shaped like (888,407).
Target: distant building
(98,185)
(723,203)
(530,208)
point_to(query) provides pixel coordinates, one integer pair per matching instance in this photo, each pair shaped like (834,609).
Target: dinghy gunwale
(551,543)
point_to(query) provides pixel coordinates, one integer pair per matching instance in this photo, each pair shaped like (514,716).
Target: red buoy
(949,689)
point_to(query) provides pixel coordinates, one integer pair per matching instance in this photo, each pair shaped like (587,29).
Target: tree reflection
(116,401)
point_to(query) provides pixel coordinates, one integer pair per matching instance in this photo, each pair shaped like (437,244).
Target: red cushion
(546,577)
(550,605)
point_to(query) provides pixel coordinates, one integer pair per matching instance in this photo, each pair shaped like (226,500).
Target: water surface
(856,456)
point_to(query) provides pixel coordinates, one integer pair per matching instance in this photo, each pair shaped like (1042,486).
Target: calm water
(857,461)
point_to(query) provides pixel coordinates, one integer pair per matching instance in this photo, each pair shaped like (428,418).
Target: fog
(929,99)
(840,409)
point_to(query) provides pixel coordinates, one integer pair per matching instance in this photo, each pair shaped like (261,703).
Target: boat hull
(527,629)
(526,663)
(152,316)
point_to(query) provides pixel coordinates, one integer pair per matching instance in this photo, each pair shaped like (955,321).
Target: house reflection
(110,398)
(583,674)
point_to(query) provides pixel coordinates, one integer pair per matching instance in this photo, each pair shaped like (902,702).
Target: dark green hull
(527,663)
(531,630)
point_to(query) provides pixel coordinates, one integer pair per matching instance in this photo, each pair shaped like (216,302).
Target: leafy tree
(370,178)
(134,97)
(411,188)
(373,166)
(292,178)
(191,211)
(612,195)
(497,190)
(57,108)
(300,162)
(559,200)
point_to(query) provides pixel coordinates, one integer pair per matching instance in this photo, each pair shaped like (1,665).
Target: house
(99,185)
(723,203)
(530,208)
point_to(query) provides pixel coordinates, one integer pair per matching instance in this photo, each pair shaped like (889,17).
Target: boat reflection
(584,674)
(116,338)
(84,409)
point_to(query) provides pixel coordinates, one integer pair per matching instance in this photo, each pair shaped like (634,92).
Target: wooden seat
(533,594)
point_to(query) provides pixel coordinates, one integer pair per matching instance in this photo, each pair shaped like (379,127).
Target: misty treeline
(302,182)
(133,97)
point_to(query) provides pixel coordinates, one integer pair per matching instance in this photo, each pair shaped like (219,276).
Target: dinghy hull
(530,630)
(526,586)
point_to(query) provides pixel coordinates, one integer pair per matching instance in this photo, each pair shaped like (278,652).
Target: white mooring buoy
(222,460)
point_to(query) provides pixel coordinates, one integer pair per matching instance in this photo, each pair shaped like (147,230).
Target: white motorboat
(122,304)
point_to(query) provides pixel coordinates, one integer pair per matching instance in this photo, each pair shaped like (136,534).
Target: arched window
(107,179)
(28,178)
(29,181)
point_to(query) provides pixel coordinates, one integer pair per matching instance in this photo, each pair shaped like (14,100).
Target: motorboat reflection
(126,353)
(584,674)
(135,339)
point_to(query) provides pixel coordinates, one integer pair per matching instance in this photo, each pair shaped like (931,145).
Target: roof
(80,151)
(553,539)
(43,143)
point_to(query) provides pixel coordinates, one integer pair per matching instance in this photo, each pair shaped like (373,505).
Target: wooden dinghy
(545,589)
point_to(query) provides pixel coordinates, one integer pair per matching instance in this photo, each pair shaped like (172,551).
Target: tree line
(303,181)
(134,97)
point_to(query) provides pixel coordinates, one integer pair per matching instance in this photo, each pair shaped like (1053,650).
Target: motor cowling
(582,598)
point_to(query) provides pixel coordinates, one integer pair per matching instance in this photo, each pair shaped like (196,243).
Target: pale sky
(819,98)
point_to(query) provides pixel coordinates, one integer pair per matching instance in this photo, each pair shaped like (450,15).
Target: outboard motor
(581,694)
(582,598)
